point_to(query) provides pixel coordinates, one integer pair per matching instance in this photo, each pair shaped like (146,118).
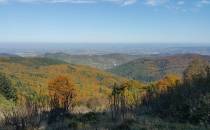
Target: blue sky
(105,21)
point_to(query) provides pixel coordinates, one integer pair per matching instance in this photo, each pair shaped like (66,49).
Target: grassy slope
(150,69)
(31,76)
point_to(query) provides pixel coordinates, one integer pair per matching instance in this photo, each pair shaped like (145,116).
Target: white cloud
(170,4)
(205,1)
(3,1)
(180,3)
(201,3)
(129,2)
(121,2)
(73,1)
(57,1)
(156,2)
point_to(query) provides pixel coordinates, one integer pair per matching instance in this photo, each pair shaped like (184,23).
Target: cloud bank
(156,2)
(178,4)
(120,2)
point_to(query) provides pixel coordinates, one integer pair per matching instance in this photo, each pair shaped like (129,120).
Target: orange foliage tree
(62,93)
(167,82)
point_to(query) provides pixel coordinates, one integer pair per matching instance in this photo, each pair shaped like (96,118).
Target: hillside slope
(154,68)
(97,61)
(30,76)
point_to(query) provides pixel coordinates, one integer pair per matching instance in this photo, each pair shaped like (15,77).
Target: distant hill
(106,61)
(30,77)
(154,68)
(7,55)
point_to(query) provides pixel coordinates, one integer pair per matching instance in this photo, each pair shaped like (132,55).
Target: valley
(121,93)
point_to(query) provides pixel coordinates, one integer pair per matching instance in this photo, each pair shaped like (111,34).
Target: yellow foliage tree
(132,92)
(168,81)
(124,98)
(62,93)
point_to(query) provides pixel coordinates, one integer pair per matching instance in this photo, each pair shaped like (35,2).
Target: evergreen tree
(6,88)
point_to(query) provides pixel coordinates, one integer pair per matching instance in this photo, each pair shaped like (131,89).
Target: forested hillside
(41,93)
(155,68)
(185,100)
(106,61)
(30,77)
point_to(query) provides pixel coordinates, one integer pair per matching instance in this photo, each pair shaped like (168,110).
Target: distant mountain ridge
(154,68)
(106,61)
(7,55)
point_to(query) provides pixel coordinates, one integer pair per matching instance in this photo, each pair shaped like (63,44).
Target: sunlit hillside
(156,67)
(30,77)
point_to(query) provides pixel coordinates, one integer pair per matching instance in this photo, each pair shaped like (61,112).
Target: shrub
(6,88)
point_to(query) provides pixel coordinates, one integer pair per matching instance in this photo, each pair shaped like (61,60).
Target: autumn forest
(48,93)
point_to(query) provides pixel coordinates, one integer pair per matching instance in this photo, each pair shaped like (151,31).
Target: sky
(105,21)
